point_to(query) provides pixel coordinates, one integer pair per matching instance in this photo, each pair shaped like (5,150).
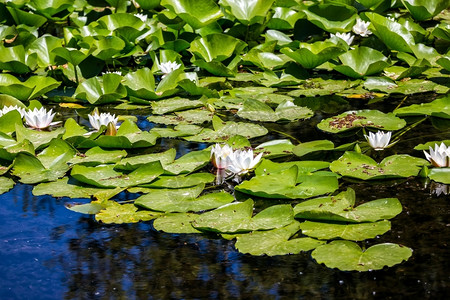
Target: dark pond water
(49,252)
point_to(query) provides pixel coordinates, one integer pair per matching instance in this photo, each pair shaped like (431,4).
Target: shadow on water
(49,252)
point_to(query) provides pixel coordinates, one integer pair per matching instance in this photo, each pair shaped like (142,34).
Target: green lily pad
(266,167)
(189,162)
(257,111)
(96,156)
(315,54)
(192,116)
(361,118)
(177,131)
(237,217)
(275,148)
(362,61)
(180,181)
(90,208)
(320,87)
(313,146)
(441,175)
(197,14)
(176,223)
(65,188)
(357,165)
(106,176)
(9,121)
(183,200)
(174,104)
(6,184)
(332,17)
(283,185)
(348,256)
(39,139)
(275,242)
(225,130)
(341,208)
(438,108)
(124,213)
(423,9)
(33,87)
(247,13)
(134,162)
(101,90)
(353,232)
(431,144)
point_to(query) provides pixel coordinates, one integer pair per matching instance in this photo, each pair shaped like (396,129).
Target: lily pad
(183,200)
(174,104)
(275,242)
(180,181)
(438,108)
(198,14)
(134,162)
(348,256)
(6,184)
(275,148)
(181,130)
(332,17)
(224,130)
(39,139)
(124,213)
(96,156)
(189,162)
(192,116)
(313,146)
(361,118)
(341,208)
(237,217)
(283,185)
(105,175)
(353,232)
(257,111)
(441,175)
(247,13)
(176,223)
(65,188)
(357,165)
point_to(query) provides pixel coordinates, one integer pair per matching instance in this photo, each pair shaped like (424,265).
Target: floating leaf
(197,14)
(283,185)
(174,104)
(313,146)
(424,9)
(180,181)
(363,167)
(183,200)
(257,111)
(237,217)
(275,242)
(189,162)
(441,175)
(39,139)
(248,12)
(192,116)
(101,90)
(332,17)
(354,232)
(96,156)
(362,61)
(361,118)
(341,208)
(348,256)
(134,162)
(438,108)
(106,176)
(33,87)
(5,184)
(176,223)
(275,148)
(124,213)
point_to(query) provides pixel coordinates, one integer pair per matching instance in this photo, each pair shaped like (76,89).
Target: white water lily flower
(347,37)
(362,28)
(219,155)
(97,120)
(142,17)
(241,161)
(440,156)
(39,118)
(113,72)
(379,140)
(168,67)
(7,109)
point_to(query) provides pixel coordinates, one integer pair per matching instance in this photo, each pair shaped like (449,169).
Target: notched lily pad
(361,118)
(5,184)
(287,111)
(275,242)
(363,167)
(348,256)
(124,213)
(438,108)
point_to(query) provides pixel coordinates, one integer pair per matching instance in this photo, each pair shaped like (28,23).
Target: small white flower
(192,76)
(219,155)
(362,28)
(39,118)
(379,140)
(168,67)
(440,156)
(97,120)
(241,161)
(347,37)
(142,17)
(7,109)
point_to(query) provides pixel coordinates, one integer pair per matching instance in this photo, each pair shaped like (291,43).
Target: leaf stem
(288,135)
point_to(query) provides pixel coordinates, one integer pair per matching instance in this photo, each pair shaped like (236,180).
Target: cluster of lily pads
(197,65)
